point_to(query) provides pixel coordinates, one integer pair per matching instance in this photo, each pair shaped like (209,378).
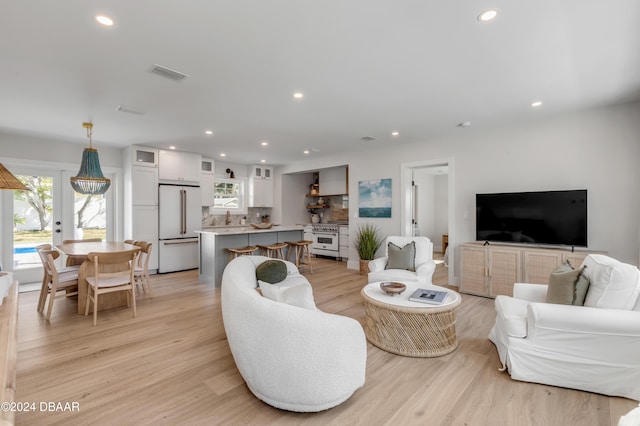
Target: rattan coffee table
(407,328)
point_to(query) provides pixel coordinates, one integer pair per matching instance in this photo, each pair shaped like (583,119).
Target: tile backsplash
(254,215)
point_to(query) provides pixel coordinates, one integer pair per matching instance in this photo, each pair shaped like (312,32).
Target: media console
(490,270)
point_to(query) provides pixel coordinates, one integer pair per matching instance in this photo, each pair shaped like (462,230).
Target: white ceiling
(366,68)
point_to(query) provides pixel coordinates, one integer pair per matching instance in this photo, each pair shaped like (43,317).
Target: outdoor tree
(87,204)
(38,196)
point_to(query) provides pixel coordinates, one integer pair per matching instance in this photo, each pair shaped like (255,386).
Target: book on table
(433,297)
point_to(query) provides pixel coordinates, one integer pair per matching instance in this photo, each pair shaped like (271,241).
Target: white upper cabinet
(262,172)
(207,166)
(143,156)
(144,188)
(179,166)
(261,186)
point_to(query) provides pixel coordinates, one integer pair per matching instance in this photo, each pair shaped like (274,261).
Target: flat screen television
(545,217)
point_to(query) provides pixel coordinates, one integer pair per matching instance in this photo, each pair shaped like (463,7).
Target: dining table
(81,250)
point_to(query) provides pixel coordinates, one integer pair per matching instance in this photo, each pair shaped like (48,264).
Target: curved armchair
(424,264)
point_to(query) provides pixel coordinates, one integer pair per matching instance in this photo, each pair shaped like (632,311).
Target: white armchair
(424,264)
(593,347)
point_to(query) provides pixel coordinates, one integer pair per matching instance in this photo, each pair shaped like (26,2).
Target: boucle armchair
(595,347)
(293,358)
(424,264)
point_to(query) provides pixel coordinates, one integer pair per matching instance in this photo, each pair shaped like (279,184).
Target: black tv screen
(547,217)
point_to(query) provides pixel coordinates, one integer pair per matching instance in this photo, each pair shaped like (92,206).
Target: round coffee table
(407,328)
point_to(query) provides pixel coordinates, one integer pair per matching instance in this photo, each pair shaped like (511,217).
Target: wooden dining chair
(45,276)
(65,280)
(112,272)
(141,271)
(130,241)
(77,260)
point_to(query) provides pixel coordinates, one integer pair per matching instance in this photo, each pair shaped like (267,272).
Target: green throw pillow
(402,257)
(271,271)
(562,285)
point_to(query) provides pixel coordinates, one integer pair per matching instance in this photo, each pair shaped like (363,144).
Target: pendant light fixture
(9,181)
(90,179)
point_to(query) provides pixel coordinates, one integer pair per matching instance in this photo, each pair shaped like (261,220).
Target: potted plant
(367,243)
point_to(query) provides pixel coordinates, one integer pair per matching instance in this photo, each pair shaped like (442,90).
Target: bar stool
(274,250)
(241,251)
(301,251)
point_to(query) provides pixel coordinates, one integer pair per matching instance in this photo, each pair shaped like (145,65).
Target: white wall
(596,149)
(441,209)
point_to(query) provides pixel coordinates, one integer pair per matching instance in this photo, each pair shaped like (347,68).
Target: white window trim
(243,208)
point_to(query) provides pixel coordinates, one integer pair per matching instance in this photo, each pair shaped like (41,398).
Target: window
(229,194)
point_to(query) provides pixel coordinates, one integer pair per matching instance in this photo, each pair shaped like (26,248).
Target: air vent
(123,108)
(168,73)
(368,138)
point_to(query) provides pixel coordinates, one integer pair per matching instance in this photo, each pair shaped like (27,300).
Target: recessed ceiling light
(395,133)
(208,132)
(298,95)
(264,143)
(488,15)
(306,151)
(536,104)
(222,154)
(263,161)
(172,147)
(104,20)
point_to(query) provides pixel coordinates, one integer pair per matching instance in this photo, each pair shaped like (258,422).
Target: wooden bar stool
(300,249)
(274,250)
(241,251)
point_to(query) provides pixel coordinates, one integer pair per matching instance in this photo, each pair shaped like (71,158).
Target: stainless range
(325,240)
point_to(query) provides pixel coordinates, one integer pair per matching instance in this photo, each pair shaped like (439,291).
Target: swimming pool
(23,250)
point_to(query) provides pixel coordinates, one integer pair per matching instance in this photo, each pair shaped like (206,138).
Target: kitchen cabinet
(262,172)
(143,156)
(334,181)
(145,228)
(206,181)
(144,188)
(179,166)
(492,270)
(261,187)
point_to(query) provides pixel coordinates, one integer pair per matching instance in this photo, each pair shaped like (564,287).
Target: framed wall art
(374,198)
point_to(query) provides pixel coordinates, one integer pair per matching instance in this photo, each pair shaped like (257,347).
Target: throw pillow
(298,294)
(562,285)
(402,257)
(271,271)
(582,286)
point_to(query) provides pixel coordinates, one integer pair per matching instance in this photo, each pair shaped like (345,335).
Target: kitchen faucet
(228,219)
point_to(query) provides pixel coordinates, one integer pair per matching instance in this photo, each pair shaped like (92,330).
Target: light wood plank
(172,365)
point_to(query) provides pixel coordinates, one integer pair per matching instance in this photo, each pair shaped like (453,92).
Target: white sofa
(292,358)
(595,347)
(425,266)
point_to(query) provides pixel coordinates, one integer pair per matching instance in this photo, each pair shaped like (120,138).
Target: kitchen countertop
(247,229)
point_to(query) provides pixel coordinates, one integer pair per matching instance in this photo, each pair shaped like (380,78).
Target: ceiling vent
(123,108)
(168,73)
(368,138)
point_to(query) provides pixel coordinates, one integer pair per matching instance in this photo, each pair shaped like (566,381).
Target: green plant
(367,241)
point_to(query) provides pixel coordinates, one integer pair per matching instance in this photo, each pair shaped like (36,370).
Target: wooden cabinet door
(575,258)
(505,269)
(538,265)
(473,270)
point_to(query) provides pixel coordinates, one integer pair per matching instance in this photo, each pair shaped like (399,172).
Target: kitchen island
(214,240)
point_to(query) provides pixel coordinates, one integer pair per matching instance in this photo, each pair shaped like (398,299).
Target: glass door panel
(90,216)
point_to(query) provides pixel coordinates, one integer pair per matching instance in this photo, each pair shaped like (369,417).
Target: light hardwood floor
(171,365)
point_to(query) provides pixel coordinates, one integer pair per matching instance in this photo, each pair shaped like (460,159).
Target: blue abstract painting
(375,198)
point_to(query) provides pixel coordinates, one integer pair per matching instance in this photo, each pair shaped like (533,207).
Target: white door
(49,213)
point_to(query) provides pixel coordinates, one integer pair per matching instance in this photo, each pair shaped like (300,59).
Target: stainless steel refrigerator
(180,218)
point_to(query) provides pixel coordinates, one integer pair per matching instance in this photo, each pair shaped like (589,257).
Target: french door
(48,213)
